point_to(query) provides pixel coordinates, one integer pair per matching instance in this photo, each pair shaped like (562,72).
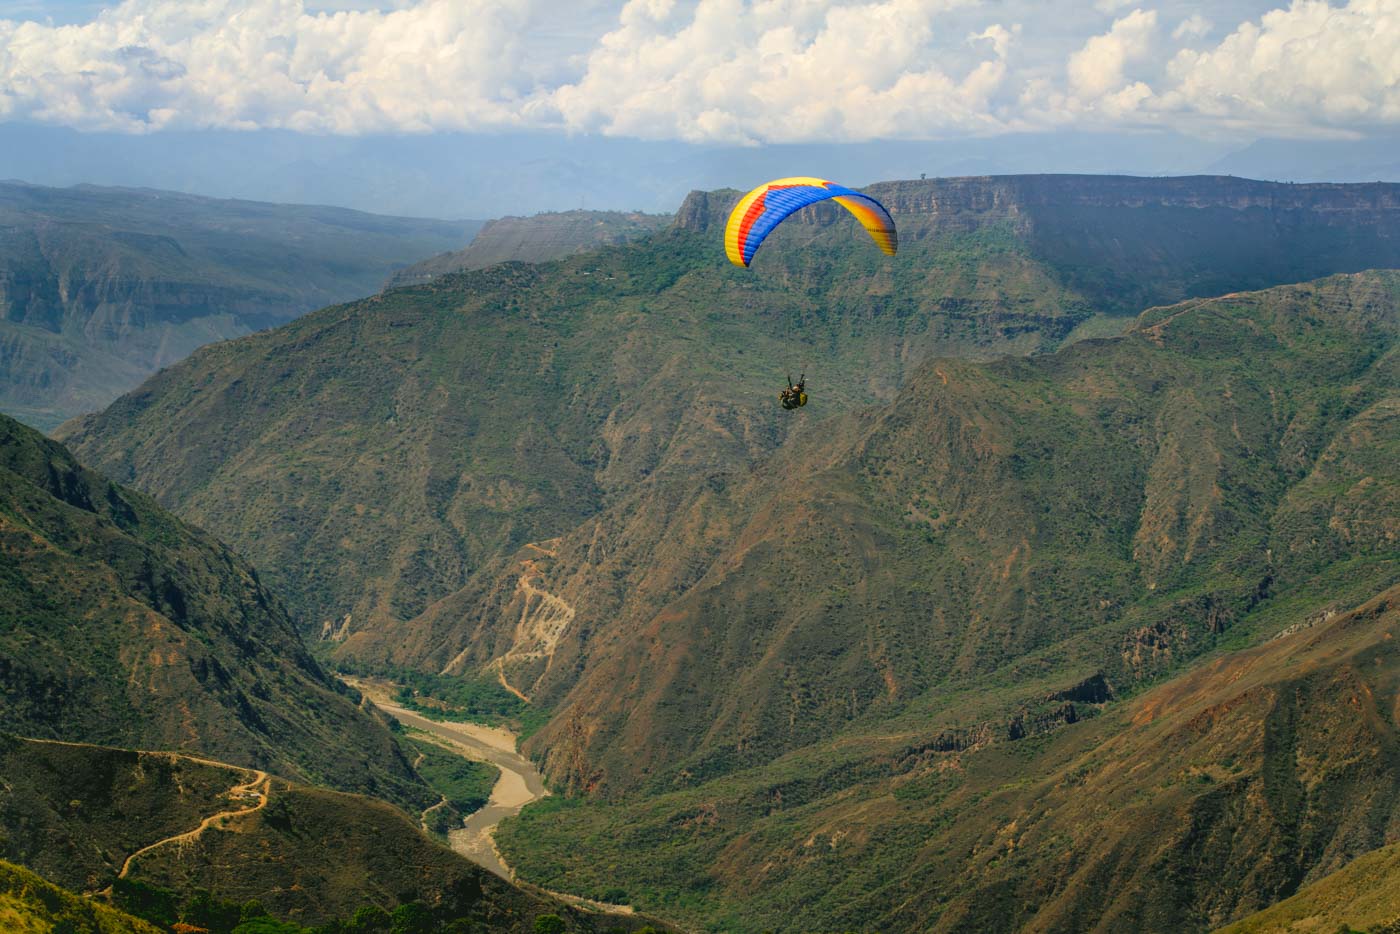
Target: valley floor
(520,783)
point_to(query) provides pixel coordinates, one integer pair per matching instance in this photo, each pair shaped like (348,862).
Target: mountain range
(1049,613)
(423,433)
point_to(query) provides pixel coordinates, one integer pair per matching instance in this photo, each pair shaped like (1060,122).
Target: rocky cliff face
(1013,196)
(1124,243)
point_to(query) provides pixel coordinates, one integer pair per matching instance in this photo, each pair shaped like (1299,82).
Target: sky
(607,91)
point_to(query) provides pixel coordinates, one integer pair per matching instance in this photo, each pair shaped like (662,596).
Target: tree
(206,910)
(411,918)
(369,919)
(549,924)
(145,901)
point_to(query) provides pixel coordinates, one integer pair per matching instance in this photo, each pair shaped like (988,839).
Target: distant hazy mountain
(1364,160)
(534,240)
(101,287)
(493,175)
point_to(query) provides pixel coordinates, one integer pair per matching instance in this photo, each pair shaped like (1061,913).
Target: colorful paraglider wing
(764,208)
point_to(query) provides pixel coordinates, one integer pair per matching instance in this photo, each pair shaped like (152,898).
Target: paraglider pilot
(794,396)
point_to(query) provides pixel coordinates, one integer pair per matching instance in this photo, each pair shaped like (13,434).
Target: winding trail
(500,666)
(257,785)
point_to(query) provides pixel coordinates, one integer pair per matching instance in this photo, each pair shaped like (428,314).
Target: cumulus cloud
(781,70)
(150,64)
(705,70)
(1098,67)
(1311,65)
(1192,27)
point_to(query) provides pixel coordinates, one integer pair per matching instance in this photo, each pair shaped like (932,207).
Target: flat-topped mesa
(1014,197)
(702,210)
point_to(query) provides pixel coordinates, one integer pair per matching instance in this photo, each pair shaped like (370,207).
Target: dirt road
(255,786)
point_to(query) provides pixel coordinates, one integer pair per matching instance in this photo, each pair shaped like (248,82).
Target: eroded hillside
(1118,506)
(1202,800)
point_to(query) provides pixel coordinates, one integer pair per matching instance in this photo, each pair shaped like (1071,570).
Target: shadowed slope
(120,624)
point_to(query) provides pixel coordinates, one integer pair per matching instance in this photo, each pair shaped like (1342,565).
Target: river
(519,784)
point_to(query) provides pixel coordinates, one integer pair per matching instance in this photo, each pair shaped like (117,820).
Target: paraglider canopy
(764,208)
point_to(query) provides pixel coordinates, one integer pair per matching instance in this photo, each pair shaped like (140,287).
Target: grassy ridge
(30,905)
(309,856)
(1363,897)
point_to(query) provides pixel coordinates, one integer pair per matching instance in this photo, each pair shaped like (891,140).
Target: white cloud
(1310,66)
(706,70)
(781,70)
(1192,27)
(149,64)
(1098,68)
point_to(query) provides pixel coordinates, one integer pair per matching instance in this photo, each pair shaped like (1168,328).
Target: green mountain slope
(1363,896)
(1115,507)
(87,816)
(30,905)
(815,671)
(534,240)
(1198,801)
(100,287)
(120,624)
(373,457)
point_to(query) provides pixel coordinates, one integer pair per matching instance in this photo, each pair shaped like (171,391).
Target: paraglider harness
(794,396)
